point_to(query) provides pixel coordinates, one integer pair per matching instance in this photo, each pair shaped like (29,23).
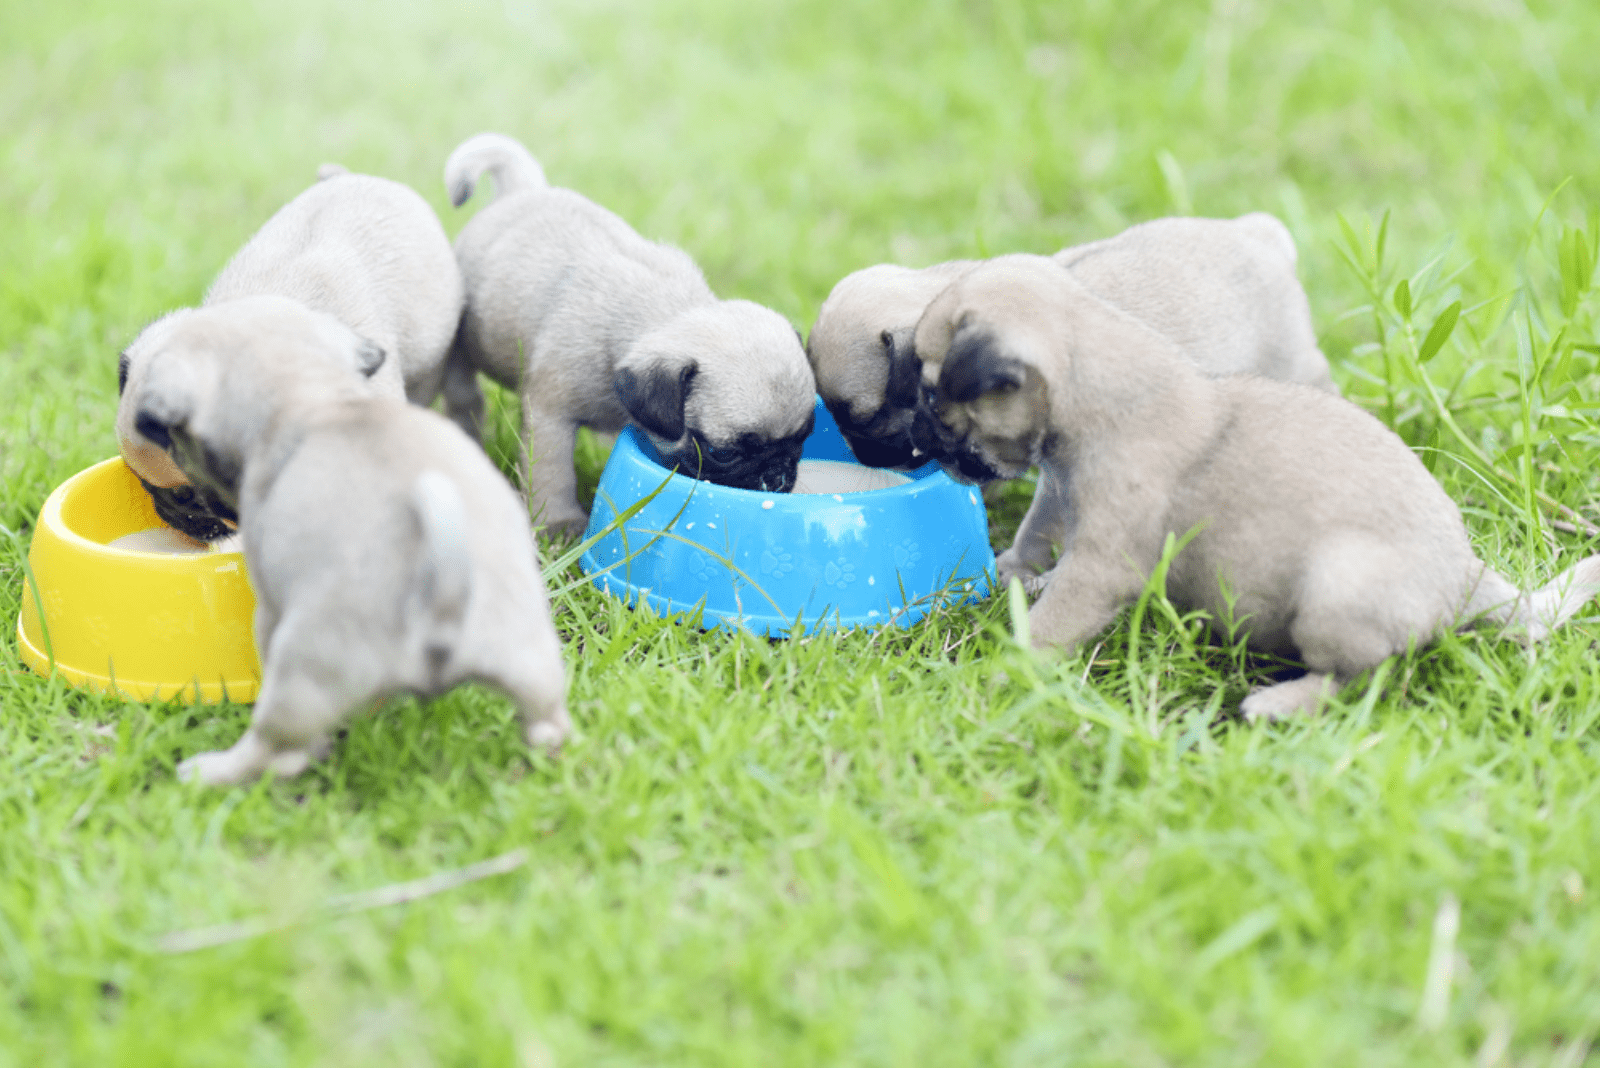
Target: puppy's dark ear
(369,357)
(905,371)
(975,366)
(122,373)
(153,430)
(655,397)
(160,414)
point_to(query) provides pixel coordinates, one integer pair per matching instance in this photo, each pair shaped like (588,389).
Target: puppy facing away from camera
(1223,290)
(1315,528)
(595,326)
(386,552)
(366,250)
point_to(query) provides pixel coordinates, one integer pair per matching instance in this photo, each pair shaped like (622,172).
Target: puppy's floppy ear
(369,357)
(655,396)
(158,416)
(905,370)
(977,365)
(122,373)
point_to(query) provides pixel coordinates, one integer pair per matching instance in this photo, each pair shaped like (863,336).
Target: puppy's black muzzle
(884,440)
(197,513)
(196,510)
(769,466)
(931,436)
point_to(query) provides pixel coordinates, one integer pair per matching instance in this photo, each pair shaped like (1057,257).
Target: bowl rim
(645,449)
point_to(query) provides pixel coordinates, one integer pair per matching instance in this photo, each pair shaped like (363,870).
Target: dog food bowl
(786,563)
(144,624)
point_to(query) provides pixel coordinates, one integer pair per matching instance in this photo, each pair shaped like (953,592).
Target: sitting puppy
(366,250)
(1223,290)
(1316,527)
(387,553)
(595,326)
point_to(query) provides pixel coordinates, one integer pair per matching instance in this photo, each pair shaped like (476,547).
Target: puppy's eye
(721,453)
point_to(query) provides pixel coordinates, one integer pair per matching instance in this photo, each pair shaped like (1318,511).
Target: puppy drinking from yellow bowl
(125,605)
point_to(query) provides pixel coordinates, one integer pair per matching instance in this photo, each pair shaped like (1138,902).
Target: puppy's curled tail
(444,582)
(512,167)
(1531,617)
(331,170)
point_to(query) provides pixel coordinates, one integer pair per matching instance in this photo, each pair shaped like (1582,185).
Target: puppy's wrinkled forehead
(846,347)
(752,373)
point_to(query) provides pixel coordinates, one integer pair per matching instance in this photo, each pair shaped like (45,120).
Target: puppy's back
(550,271)
(342,509)
(366,250)
(1224,290)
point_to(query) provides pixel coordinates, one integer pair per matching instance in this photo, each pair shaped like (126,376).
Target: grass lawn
(904,848)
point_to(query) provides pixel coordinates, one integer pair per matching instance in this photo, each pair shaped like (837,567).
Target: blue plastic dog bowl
(782,564)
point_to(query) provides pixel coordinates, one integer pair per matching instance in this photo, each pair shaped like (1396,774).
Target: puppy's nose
(153,430)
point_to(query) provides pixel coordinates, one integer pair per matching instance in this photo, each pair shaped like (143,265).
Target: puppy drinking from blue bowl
(852,546)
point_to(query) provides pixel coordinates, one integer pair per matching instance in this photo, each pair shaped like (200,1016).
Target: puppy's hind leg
(292,717)
(1356,608)
(1305,694)
(540,695)
(267,745)
(545,723)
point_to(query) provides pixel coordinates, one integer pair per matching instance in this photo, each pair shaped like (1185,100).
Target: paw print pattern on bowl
(795,562)
(906,554)
(775,561)
(705,568)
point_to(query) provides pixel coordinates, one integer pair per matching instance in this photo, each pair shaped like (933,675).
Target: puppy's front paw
(1008,565)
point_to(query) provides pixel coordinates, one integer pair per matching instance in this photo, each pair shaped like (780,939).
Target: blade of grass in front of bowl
(38,600)
(565,560)
(725,561)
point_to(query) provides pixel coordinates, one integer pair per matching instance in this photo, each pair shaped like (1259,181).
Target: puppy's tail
(331,170)
(511,166)
(1531,617)
(444,582)
(1269,230)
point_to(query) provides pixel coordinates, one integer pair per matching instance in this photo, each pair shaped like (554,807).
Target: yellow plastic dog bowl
(147,625)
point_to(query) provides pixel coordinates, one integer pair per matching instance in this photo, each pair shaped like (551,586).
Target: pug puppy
(387,553)
(595,326)
(1314,527)
(1224,290)
(370,252)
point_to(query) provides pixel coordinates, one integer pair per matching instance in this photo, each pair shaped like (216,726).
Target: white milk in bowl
(837,476)
(172,542)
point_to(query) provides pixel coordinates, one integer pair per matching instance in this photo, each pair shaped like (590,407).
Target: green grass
(917,847)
